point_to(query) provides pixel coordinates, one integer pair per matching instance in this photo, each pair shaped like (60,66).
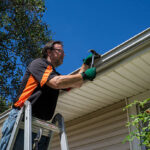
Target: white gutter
(118,54)
(124,50)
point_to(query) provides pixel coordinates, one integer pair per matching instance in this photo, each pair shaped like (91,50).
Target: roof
(122,72)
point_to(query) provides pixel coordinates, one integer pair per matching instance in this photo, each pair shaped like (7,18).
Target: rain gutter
(131,47)
(123,52)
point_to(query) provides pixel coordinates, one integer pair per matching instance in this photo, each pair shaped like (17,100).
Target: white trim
(128,119)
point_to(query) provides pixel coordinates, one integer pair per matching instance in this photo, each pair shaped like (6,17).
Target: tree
(22,34)
(3,105)
(141,122)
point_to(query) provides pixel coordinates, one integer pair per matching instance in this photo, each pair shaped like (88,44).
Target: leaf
(141,123)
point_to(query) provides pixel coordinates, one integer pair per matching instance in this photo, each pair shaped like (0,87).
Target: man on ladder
(40,86)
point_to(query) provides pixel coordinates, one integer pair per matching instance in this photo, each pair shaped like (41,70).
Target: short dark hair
(49,46)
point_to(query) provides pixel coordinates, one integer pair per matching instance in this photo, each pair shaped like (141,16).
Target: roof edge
(119,52)
(124,50)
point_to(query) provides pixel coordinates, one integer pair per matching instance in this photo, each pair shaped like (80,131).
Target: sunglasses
(59,50)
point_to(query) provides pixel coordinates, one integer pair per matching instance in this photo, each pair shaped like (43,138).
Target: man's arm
(65,81)
(73,80)
(68,81)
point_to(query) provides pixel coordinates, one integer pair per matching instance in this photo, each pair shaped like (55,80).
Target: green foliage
(141,122)
(22,33)
(3,105)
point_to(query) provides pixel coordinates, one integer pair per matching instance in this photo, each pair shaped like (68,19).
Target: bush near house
(141,122)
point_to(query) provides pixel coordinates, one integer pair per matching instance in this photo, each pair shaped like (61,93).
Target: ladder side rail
(51,133)
(28,126)
(50,139)
(15,130)
(63,137)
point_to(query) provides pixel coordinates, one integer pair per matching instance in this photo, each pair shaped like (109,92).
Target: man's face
(57,54)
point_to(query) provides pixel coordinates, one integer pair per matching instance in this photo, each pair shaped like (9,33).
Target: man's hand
(83,68)
(88,60)
(89,74)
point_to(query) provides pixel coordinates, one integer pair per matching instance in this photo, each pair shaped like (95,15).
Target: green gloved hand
(89,74)
(88,60)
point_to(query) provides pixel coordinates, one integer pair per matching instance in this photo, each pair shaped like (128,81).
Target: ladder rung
(35,129)
(45,125)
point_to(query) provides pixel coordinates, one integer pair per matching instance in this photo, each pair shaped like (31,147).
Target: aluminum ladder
(32,124)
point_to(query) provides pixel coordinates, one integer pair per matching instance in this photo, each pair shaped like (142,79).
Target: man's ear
(48,52)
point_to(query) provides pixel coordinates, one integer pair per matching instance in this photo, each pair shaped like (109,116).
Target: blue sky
(94,24)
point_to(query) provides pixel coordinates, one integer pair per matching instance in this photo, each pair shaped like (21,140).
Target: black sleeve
(41,71)
(52,75)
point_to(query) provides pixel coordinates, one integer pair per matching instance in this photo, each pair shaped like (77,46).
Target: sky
(94,24)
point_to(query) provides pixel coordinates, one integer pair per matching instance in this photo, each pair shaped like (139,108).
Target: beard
(58,62)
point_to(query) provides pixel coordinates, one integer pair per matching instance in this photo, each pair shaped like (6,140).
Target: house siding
(101,130)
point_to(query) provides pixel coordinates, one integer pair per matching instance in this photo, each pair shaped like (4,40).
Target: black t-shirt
(34,89)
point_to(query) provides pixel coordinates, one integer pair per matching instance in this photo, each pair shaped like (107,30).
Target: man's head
(53,52)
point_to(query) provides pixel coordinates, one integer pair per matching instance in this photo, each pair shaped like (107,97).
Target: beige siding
(101,130)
